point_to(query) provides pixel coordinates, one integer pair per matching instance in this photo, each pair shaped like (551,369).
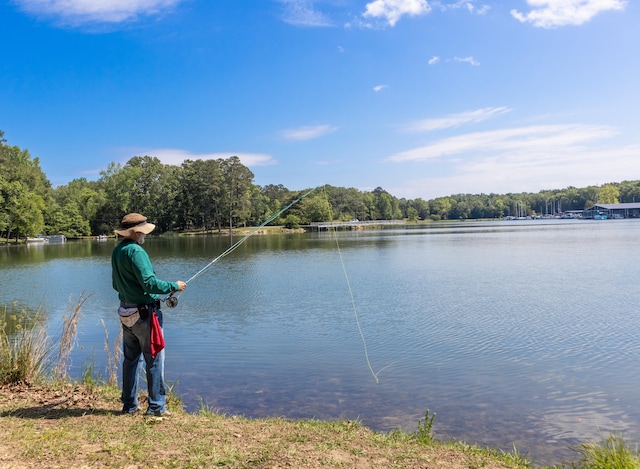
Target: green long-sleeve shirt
(133,276)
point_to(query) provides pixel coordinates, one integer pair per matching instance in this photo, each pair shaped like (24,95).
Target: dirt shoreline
(72,425)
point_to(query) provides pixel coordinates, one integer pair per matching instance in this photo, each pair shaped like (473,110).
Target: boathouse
(612,211)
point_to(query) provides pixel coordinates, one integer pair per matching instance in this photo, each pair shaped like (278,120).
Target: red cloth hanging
(157,338)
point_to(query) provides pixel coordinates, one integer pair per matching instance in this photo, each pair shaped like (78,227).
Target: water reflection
(516,333)
(15,317)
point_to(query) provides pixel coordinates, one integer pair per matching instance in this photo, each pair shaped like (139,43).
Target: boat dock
(353,224)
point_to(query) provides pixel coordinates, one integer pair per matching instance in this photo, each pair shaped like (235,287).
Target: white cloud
(95,11)
(455,120)
(555,13)
(175,156)
(308,132)
(469,60)
(393,10)
(466,4)
(379,88)
(303,13)
(540,141)
(526,159)
(522,172)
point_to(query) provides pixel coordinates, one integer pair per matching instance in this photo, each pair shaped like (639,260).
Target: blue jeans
(136,347)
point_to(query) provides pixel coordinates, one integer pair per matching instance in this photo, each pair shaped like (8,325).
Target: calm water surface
(513,333)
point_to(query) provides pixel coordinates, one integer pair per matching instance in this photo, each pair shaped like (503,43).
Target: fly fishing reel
(172,301)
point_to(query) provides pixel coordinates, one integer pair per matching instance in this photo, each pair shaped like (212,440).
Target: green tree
(629,191)
(292,221)
(76,206)
(383,204)
(412,214)
(574,199)
(24,210)
(259,203)
(17,165)
(25,192)
(396,211)
(421,206)
(441,207)
(236,193)
(590,195)
(277,196)
(316,209)
(154,190)
(116,183)
(608,194)
(69,221)
(201,184)
(4,215)
(460,208)
(501,208)
(347,203)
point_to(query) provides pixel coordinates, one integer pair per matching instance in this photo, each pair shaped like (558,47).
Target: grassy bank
(73,425)
(48,421)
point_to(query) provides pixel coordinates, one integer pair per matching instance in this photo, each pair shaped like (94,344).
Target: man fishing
(138,289)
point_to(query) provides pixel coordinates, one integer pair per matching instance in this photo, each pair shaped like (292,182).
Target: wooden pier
(353,224)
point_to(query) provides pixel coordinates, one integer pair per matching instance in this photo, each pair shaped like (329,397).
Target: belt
(124,304)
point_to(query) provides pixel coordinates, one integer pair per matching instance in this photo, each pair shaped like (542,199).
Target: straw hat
(134,222)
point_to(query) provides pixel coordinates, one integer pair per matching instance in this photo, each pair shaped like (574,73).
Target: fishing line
(355,311)
(172,301)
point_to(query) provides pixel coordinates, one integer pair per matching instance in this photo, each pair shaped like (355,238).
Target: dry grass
(24,345)
(113,357)
(77,426)
(68,337)
(612,452)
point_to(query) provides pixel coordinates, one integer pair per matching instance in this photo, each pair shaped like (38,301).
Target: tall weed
(24,345)
(610,453)
(424,434)
(112,357)
(69,335)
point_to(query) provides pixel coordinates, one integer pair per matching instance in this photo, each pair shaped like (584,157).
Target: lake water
(517,333)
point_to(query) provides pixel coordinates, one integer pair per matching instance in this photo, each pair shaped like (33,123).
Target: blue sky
(422,98)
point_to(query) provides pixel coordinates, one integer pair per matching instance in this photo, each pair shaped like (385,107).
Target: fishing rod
(172,301)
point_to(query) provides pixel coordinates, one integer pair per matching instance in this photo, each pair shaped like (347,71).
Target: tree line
(217,195)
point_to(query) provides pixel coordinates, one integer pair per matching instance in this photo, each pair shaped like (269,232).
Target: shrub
(610,453)
(24,346)
(425,428)
(292,222)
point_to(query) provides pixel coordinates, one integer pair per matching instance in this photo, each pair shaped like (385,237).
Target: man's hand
(181,285)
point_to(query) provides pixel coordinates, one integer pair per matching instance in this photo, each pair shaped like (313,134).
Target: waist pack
(146,310)
(129,321)
(128,316)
